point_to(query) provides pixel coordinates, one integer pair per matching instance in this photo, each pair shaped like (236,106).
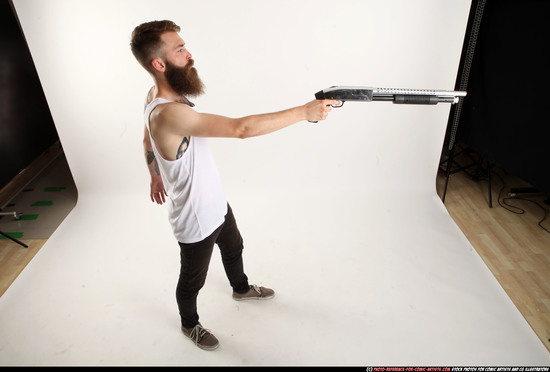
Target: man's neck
(158,91)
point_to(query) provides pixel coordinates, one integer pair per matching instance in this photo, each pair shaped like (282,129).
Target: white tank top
(196,205)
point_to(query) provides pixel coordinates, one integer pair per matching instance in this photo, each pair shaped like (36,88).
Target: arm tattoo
(183,147)
(151,158)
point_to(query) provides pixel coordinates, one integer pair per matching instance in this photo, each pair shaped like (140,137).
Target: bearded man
(183,169)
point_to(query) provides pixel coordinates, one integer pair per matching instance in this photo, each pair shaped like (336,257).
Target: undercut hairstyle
(146,42)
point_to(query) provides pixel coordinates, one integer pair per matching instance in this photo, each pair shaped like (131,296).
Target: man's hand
(318,109)
(158,192)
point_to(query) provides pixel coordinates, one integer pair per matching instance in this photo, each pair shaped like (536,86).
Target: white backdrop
(341,218)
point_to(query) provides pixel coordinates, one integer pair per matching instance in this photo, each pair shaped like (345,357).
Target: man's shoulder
(172,107)
(169,112)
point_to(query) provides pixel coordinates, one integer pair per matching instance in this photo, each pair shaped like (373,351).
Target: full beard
(185,80)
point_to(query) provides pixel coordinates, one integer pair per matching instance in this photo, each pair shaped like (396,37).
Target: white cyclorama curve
(341,217)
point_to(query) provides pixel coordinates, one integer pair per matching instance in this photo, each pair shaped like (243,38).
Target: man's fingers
(157,198)
(326,108)
(319,109)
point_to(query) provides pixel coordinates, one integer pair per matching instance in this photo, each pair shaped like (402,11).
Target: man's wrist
(302,113)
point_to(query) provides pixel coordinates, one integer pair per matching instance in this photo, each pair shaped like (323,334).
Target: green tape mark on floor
(28,217)
(43,203)
(54,189)
(15,235)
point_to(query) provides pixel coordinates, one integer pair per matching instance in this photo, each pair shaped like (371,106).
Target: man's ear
(158,64)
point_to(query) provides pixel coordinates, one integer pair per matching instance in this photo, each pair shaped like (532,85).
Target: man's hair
(146,41)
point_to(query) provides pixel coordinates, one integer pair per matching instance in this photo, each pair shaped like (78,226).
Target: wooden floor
(14,258)
(514,246)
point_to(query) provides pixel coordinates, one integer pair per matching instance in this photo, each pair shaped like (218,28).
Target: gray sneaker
(255,293)
(201,337)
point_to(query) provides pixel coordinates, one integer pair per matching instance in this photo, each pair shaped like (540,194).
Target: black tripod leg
(489,178)
(448,171)
(15,240)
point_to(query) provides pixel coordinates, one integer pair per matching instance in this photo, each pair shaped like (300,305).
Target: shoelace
(257,289)
(197,333)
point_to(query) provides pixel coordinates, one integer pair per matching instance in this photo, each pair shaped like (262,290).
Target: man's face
(180,72)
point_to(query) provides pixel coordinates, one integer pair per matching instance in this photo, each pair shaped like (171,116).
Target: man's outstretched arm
(184,121)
